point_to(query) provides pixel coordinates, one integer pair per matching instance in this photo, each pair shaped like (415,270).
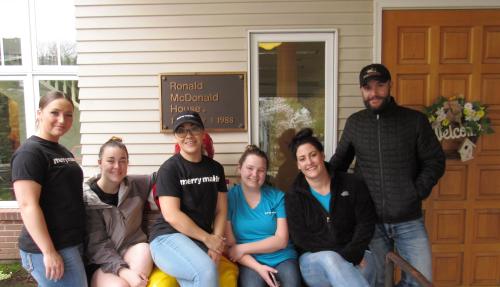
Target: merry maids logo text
(63,160)
(200,180)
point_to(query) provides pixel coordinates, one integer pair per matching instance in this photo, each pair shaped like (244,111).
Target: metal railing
(392,259)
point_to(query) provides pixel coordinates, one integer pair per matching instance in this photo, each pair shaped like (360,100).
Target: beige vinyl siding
(124,44)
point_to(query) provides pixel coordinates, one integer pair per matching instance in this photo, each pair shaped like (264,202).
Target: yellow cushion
(228,273)
(228,276)
(160,279)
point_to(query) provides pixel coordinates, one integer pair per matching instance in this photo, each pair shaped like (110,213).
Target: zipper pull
(328,219)
(378,116)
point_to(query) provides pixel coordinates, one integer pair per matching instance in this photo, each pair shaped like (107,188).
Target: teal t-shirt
(250,225)
(323,199)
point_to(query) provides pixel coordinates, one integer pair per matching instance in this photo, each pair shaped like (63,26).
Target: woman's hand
(54,265)
(215,242)
(133,278)
(235,252)
(263,271)
(214,256)
(362,264)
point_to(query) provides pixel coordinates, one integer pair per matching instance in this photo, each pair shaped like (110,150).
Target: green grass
(13,275)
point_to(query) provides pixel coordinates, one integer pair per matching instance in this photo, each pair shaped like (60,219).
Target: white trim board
(380,5)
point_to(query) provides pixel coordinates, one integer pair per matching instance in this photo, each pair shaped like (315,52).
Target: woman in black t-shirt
(48,186)
(187,241)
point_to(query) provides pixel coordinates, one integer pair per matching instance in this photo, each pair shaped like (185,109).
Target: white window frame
(31,73)
(29,116)
(330,38)
(25,49)
(52,69)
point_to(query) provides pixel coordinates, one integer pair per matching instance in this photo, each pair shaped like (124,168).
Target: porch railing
(392,259)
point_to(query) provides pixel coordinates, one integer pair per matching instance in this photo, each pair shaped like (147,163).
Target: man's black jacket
(346,229)
(398,156)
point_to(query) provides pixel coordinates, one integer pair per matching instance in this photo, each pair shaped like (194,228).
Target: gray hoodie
(112,230)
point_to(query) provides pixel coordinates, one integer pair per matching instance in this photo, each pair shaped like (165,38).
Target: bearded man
(400,159)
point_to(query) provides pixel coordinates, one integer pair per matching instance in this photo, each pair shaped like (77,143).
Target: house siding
(124,45)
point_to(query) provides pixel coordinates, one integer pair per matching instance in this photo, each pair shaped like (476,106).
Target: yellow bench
(228,271)
(228,276)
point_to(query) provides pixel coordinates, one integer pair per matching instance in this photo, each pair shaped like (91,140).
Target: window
(48,28)
(12,130)
(13,25)
(55,32)
(292,87)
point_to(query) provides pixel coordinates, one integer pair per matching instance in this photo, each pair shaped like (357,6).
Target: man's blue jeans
(411,242)
(328,268)
(74,271)
(179,256)
(288,275)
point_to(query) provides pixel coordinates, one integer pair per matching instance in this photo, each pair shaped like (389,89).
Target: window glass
(12,130)
(71,140)
(12,49)
(55,32)
(291,97)
(13,22)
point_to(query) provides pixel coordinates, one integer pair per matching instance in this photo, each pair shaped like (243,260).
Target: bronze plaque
(219,98)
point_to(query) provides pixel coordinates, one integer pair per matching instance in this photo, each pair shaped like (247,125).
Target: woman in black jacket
(331,219)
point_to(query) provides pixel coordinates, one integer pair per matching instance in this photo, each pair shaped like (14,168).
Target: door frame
(330,38)
(380,5)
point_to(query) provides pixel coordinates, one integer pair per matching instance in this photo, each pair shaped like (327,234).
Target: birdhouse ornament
(466,150)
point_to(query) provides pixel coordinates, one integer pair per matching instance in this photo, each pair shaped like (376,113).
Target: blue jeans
(328,268)
(411,242)
(288,275)
(178,255)
(74,270)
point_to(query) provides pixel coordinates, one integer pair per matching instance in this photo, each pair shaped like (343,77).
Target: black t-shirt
(61,199)
(108,198)
(196,184)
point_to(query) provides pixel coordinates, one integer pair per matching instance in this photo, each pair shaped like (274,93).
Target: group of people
(329,228)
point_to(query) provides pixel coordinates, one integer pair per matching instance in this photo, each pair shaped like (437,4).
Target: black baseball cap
(188,117)
(377,72)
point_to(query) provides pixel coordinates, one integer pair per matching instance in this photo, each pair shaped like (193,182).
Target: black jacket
(398,156)
(346,229)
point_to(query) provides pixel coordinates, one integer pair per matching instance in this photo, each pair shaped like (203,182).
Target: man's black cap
(188,117)
(377,72)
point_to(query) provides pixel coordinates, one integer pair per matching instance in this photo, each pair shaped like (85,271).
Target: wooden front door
(455,53)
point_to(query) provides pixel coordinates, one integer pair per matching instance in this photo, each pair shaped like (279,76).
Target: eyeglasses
(182,132)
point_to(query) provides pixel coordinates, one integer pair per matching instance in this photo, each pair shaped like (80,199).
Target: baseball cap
(188,117)
(377,72)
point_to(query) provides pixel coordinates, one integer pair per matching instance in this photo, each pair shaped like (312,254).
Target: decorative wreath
(447,114)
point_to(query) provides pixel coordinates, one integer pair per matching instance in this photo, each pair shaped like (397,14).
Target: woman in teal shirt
(256,230)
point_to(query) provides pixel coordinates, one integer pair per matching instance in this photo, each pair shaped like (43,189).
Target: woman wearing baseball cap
(188,240)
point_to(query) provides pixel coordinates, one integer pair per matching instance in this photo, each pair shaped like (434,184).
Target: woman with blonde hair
(257,230)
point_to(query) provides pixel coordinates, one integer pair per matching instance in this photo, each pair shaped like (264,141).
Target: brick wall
(10,227)
(11,223)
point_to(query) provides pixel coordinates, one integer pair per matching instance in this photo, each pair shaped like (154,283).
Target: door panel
(433,53)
